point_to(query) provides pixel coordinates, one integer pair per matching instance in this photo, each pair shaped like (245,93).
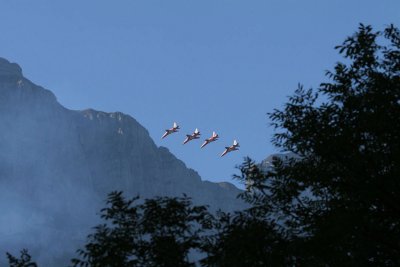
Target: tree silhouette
(245,239)
(159,232)
(338,195)
(23,261)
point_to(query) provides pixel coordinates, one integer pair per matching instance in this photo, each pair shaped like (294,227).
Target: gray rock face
(57,167)
(267,163)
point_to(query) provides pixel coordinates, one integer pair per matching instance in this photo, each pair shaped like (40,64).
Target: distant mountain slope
(57,166)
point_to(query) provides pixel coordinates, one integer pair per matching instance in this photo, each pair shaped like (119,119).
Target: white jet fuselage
(209,140)
(230,148)
(171,130)
(190,137)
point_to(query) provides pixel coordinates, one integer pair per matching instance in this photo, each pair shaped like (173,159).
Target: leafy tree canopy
(158,232)
(23,261)
(338,196)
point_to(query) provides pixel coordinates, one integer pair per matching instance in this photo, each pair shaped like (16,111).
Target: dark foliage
(245,239)
(338,197)
(159,232)
(23,261)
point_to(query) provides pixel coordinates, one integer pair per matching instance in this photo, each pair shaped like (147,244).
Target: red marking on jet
(174,129)
(230,148)
(213,138)
(194,135)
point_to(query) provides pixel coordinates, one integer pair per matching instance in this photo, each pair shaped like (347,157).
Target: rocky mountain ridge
(57,166)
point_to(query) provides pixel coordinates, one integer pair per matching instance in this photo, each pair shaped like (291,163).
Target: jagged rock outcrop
(57,166)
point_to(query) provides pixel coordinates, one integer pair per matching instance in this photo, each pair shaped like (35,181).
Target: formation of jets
(196,135)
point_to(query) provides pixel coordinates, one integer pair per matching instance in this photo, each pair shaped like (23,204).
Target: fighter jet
(174,129)
(194,135)
(231,148)
(213,138)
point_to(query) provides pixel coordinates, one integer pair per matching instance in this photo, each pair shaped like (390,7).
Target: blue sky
(215,65)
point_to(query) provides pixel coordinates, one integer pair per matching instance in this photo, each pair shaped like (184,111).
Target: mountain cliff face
(57,166)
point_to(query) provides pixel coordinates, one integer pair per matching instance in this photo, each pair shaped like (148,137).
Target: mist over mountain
(58,165)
